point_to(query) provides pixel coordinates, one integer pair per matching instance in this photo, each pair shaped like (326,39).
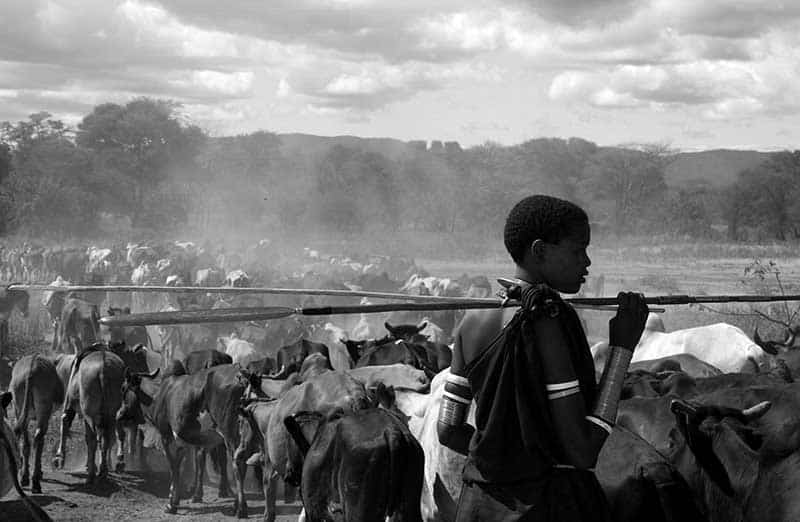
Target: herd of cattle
(345,408)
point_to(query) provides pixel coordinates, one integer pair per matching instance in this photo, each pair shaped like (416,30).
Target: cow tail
(22,414)
(38,514)
(101,425)
(395,472)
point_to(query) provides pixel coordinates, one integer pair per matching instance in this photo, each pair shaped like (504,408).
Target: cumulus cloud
(340,60)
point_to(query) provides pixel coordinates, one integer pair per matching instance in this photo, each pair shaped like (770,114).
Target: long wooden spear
(268,313)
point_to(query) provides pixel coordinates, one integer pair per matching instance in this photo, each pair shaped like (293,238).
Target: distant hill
(717,168)
(317,145)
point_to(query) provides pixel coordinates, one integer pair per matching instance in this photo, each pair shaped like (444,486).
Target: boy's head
(547,238)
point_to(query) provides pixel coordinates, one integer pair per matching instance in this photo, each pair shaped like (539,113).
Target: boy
(541,418)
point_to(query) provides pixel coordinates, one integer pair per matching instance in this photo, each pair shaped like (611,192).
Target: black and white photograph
(384,260)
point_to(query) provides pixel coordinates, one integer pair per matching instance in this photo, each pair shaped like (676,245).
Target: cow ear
(422,326)
(386,396)
(389,328)
(5,400)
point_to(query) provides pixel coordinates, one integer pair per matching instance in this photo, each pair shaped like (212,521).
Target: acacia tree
(48,186)
(630,181)
(138,145)
(354,188)
(765,197)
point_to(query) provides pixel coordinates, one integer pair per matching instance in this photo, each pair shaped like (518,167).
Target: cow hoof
(120,467)
(169,509)
(241,511)
(197,499)
(37,487)
(57,462)
(24,481)
(225,493)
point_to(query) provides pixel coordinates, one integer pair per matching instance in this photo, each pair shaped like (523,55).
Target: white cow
(241,351)
(443,466)
(399,376)
(721,345)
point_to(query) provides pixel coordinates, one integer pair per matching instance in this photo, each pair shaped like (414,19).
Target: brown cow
(365,465)
(263,422)
(8,465)
(36,389)
(174,407)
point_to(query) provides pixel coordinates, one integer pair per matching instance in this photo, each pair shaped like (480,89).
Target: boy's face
(563,265)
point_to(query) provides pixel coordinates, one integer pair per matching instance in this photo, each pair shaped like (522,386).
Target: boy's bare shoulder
(478,329)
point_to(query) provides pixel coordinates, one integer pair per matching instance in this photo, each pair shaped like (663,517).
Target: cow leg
(3,336)
(239,460)
(90,435)
(289,493)
(270,485)
(137,447)
(66,423)
(24,480)
(174,457)
(38,447)
(199,470)
(106,442)
(259,473)
(220,458)
(121,435)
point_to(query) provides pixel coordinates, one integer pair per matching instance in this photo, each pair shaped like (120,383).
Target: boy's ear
(537,248)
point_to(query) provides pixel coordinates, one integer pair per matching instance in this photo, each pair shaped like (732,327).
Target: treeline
(144,167)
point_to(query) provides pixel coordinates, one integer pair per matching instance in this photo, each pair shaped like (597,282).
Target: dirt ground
(130,495)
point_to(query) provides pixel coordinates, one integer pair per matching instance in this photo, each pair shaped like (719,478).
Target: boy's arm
(582,433)
(451,427)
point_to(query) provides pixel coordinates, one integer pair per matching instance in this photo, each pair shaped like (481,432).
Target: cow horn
(790,338)
(754,412)
(279,375)
(138,347)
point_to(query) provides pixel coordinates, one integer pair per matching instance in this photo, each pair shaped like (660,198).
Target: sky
(691,74)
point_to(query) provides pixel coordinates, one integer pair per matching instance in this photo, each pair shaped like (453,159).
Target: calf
(174,408)
(363,466)
(264,422)
(195,362)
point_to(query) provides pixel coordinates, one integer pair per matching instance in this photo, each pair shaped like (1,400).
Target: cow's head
(405,332)
(776,347)
(718,441)
(382,396)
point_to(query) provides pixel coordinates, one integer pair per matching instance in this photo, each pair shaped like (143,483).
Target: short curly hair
(540,217)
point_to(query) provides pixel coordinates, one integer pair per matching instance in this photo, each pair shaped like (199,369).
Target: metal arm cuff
(453,412)
(611,383)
